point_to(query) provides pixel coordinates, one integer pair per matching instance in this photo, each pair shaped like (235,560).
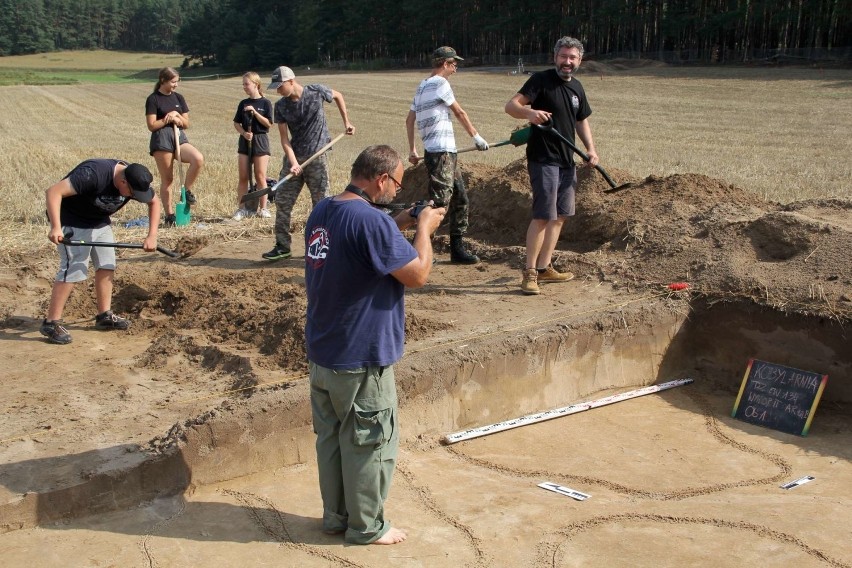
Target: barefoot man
(357,266)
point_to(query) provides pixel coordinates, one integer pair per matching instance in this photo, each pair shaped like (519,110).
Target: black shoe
(55,332)
(109,320)
(190,198)
(169,220)
(277,253)
(458,254)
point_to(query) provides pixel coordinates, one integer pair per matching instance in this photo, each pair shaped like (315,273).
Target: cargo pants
(315,175)
(355,420)
(446,189)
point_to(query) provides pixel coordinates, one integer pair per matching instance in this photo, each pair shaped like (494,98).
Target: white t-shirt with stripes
(434,121)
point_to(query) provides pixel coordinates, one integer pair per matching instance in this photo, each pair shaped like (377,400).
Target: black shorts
(259,143)
(163,140)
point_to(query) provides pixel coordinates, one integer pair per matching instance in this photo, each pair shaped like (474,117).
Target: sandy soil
(217,343)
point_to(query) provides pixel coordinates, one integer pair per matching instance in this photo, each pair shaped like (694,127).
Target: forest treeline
(242,34)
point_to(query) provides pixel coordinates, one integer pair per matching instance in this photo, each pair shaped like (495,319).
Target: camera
(419,206)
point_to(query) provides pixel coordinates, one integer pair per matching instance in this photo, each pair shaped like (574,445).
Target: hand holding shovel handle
(66,240)
(271,190)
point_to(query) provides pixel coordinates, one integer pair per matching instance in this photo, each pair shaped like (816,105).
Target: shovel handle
(76,243)
(274,188)
(582,154)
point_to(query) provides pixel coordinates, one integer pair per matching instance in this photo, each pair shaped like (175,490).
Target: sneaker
(550,274)
(529,282)
(169,220)
(190,198)
(109,320)
(240,214)
(277,253)
(55,332)
(264,213)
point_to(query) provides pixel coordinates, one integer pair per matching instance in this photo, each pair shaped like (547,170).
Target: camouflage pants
(315,175)
(446,188)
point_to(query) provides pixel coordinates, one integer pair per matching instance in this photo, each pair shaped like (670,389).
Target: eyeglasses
(453,63)
(393,179)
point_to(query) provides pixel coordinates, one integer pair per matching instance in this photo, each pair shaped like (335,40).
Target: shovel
(66,240)
(519,137)
(182,211)
(613,187)
(270,191)
(251,205)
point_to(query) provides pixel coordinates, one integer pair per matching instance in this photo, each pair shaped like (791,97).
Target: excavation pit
(192,432)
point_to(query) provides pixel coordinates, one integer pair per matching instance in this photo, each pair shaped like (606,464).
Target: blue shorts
(74,260)
(553,190)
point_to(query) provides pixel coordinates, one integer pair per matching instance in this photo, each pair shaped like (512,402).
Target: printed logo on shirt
(317,249)
(110,203)
(575,101)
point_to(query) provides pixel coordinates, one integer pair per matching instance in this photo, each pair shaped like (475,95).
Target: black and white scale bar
(562,490)
(558,412)
(797,482)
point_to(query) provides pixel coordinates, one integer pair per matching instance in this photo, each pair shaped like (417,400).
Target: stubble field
(781,133)
(188,441)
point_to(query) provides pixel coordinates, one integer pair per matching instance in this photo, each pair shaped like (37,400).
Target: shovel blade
(183,213)
(520,136)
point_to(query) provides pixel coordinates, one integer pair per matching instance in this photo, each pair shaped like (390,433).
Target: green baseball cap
(446,52)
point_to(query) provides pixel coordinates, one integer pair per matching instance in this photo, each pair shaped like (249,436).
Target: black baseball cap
(139,179)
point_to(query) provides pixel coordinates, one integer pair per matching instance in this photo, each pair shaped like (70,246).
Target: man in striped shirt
(430,110)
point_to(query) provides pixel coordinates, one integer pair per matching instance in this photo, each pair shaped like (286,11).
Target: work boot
(190,198)
(458,254)
(550,274)
(529,282)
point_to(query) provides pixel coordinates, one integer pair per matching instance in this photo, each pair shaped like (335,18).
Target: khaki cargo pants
(355,420)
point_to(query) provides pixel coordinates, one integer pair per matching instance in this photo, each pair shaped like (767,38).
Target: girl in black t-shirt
(252,120)
(165,108)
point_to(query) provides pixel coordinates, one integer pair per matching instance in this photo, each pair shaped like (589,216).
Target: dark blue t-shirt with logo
(96,196)
(356,311)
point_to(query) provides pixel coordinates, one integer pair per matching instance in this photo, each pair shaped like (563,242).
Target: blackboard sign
(778,397)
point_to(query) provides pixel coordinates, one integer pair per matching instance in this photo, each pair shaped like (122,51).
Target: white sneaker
(239,214)
(265,213)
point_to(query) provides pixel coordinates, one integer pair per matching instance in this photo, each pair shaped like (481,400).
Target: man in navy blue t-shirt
(357,266)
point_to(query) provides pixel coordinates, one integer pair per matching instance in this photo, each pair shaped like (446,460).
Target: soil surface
(219,333)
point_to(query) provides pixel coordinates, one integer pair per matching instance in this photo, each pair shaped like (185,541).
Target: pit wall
(523,375)
(719,339)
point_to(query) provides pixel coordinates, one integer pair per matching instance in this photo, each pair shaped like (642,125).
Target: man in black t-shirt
(555,97)
(80,205)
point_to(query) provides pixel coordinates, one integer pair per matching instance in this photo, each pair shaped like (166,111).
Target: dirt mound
(723,239)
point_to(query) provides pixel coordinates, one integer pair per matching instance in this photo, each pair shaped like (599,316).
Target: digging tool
(613,187)
(251,205)
(66,240)
(519,137)
(183,214)
(270,191)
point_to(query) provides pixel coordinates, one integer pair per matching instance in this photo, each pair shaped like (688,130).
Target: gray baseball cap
(279,76)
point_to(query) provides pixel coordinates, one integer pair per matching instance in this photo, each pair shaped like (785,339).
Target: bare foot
(393,536)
